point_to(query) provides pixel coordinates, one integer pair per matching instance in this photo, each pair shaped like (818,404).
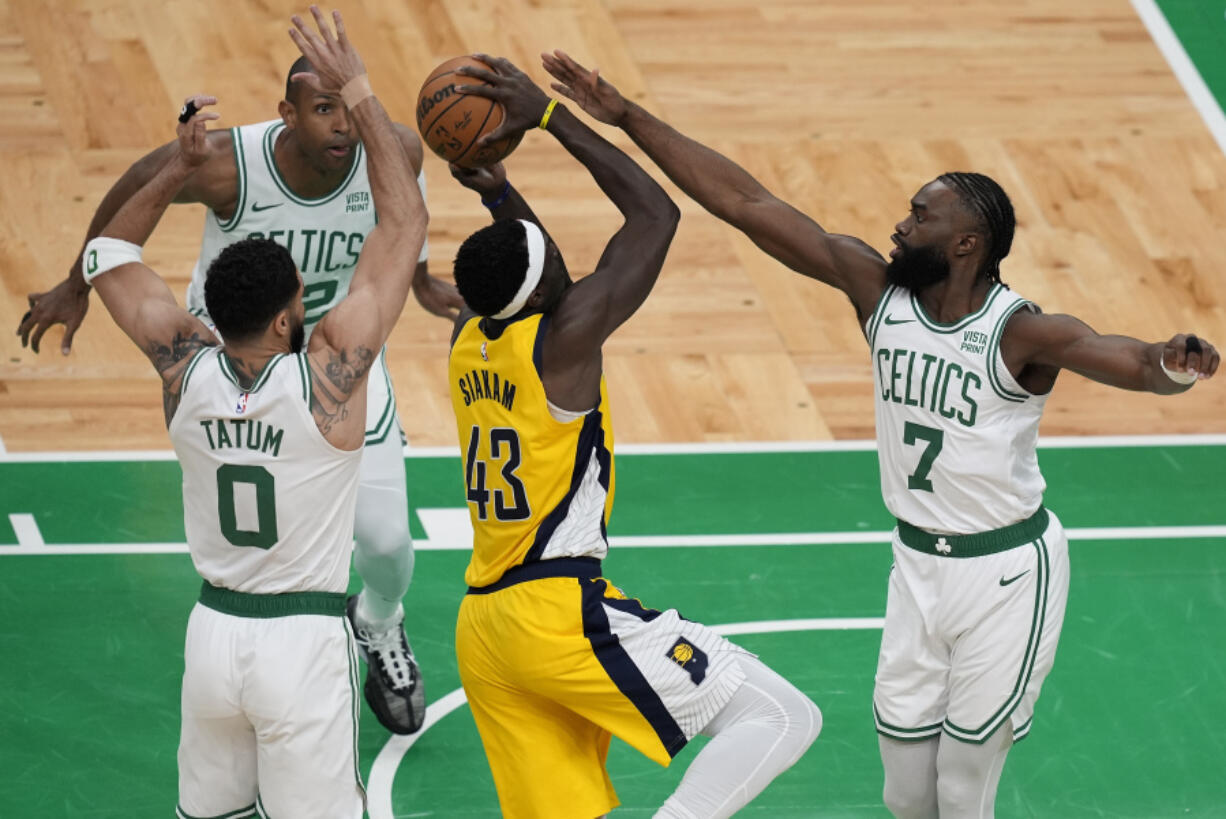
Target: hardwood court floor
(844,107)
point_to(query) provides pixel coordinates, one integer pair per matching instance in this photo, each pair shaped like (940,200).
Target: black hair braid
(982,196)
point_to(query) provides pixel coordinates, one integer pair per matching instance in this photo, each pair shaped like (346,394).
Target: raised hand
(334,58)
(489,182)
(194,144)
(522,100)
(588,89)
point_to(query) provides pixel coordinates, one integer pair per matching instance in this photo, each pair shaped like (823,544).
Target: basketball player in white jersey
(963,368)
(270,440)
(301,180)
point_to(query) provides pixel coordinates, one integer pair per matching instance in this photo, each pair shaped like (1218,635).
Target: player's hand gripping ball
(451,122)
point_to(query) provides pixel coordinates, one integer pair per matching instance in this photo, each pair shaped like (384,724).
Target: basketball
(451,123)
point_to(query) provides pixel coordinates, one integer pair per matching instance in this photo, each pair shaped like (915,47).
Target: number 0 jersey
(956,434)
(538,488)
(268,503)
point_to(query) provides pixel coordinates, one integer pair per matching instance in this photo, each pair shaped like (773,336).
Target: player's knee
(382,537)
(909,798)
(792,715)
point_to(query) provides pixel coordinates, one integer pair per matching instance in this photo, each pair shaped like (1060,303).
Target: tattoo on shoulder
(165,356)
(169,360)
(330,394)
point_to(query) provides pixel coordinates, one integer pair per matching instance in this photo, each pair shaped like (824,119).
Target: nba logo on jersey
(241,406)
(484,355)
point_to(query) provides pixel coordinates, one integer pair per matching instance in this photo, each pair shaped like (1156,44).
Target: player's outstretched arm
(728,191)
(1064,342)
(136,297)
(633,257)
(349,337)
(214,184)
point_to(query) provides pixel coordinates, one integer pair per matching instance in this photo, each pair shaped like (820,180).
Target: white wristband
(1177,377)
(103,254)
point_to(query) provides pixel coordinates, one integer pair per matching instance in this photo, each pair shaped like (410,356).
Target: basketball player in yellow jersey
(553,657)
(977,592)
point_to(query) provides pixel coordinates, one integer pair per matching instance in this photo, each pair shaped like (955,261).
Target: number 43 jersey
(268,503)
(956,434)
(538,488)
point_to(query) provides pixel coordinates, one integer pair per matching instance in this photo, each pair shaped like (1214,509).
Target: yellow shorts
(555,665)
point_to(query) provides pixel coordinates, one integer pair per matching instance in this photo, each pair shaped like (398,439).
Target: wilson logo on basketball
(426,104)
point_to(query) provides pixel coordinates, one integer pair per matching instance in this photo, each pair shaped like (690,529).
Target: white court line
(1185,71)
(28,534)
(748,447)
(383,771)
(658,541)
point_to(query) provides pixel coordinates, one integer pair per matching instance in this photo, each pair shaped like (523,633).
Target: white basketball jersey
(956,434)
(268,503)
(324,236)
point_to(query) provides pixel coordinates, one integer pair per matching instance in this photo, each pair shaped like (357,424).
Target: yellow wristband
(545,116)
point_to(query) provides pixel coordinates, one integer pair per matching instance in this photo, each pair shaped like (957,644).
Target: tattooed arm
(346,341)
(144,308)
(137,298)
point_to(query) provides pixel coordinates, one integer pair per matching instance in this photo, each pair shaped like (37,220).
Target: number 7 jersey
(538,488)
(956,434)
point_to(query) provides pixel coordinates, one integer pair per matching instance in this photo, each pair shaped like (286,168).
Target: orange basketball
(451,123)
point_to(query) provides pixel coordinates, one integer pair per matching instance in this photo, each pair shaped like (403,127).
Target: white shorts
(968,640)
(270,709)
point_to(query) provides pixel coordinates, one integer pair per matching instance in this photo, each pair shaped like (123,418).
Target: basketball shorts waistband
(978,544)
(286,604)
(580,567)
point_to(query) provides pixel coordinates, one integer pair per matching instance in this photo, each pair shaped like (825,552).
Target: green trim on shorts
(241,813)
(388,419)
(978,736)
(904,734)
(287,604)
(976,545)
(354,678)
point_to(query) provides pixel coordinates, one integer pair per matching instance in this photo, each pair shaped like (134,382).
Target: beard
(917,268)
(297,336)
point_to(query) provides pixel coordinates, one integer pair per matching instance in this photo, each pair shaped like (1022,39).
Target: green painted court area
(1130,723)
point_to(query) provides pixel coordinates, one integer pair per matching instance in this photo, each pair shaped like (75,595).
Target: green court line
(1200,26)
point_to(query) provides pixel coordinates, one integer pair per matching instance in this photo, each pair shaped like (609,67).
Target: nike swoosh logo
(892,320)
(257,208)
(1004,582)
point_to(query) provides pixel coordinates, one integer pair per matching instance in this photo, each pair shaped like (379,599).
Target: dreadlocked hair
(247,284)
(988,201)
(490,266)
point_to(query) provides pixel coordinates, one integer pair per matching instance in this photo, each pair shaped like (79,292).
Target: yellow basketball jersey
(537,488)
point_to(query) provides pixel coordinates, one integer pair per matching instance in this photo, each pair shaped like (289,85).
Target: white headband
(536,266)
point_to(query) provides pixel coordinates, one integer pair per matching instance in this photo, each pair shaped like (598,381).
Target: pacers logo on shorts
(690,657)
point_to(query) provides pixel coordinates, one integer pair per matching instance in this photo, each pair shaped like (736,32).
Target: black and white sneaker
(394,688)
